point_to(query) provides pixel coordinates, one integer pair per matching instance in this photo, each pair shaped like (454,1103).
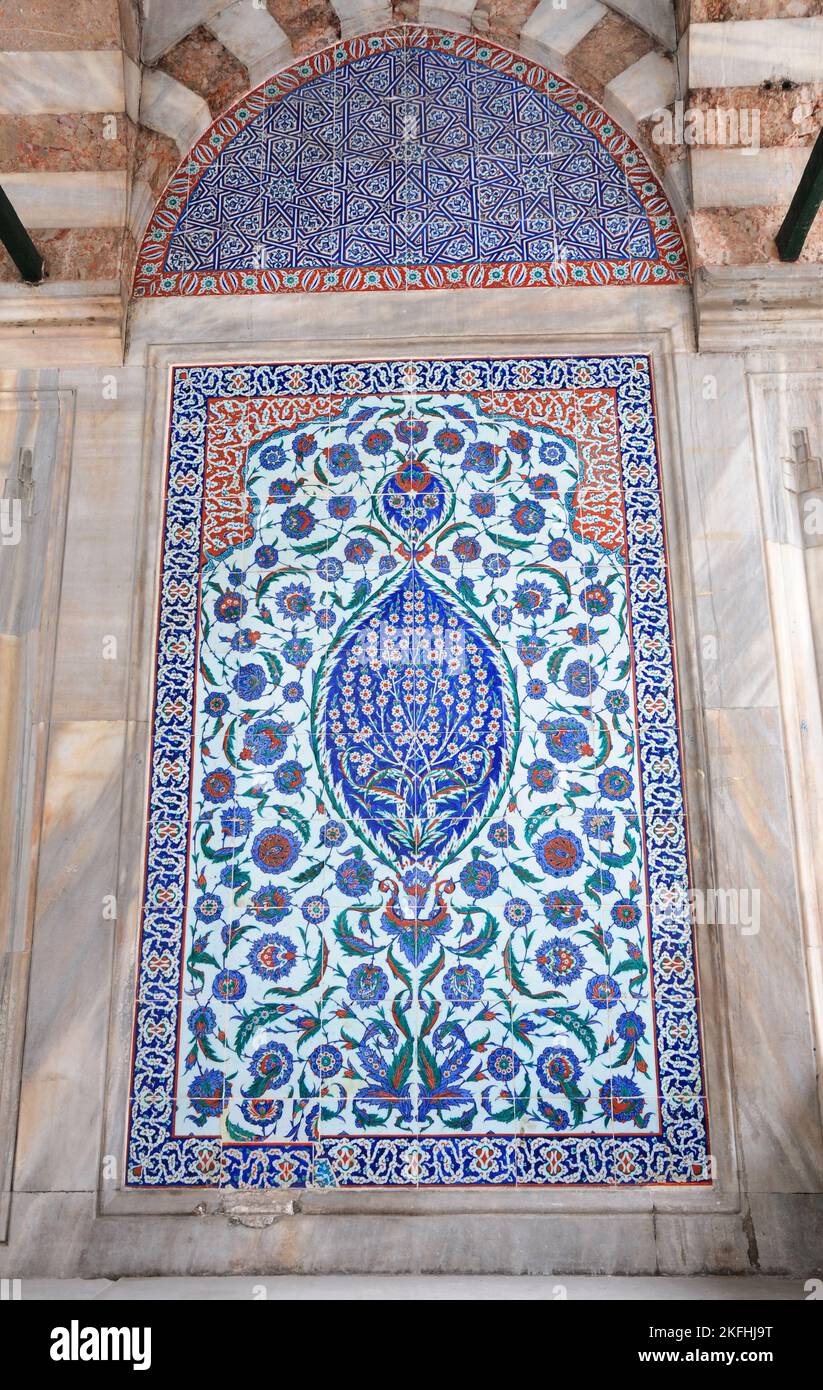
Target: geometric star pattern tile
(410,159)
(416,893)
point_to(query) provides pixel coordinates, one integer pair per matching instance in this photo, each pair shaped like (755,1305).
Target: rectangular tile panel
(416,905)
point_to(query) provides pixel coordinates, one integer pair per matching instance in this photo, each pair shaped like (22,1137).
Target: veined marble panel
(34,427)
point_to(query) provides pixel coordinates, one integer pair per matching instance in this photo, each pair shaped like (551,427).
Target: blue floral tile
(410,159)
(417,843)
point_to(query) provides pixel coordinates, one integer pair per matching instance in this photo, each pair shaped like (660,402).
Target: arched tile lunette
(413,158)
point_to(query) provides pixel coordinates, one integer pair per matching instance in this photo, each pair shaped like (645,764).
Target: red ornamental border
(586,414)
(671,268)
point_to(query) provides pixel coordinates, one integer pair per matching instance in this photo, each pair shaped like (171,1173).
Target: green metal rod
(803,207)
(19,244)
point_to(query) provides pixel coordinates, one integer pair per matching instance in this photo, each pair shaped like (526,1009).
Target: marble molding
(34,323)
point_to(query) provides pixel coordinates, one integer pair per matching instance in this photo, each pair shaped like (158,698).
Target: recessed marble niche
(416,901)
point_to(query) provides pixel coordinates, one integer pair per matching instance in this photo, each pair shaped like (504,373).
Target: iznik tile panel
(416,903)
(410,159)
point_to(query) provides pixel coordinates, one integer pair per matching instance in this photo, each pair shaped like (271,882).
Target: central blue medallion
(414,722)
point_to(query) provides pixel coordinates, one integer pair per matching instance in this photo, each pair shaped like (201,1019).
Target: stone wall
(747,624)
(98,102)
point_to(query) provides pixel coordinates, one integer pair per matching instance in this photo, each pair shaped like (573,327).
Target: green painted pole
(19,244)
(803,207)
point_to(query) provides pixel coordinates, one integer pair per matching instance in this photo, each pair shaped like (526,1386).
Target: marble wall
(746,634)
(35,423)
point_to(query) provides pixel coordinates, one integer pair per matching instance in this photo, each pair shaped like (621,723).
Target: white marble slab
(775,1075)
(734,644)
(254,37)
(64,1060)
(92,656)
(172,109)
(647,85)
(746,178)
(561,29)
(82,198)
(424,321)
(743,53)
(36,83)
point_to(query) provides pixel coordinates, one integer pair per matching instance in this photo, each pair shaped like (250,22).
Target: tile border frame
(662,1151)
(660,345)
